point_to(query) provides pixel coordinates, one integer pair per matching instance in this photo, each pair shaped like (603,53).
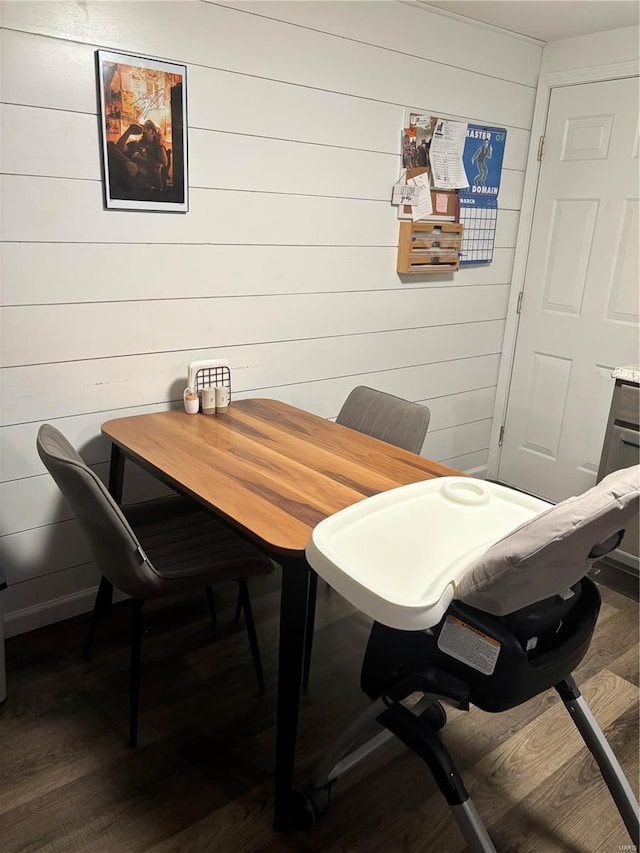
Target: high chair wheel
(307,805)
(435,715)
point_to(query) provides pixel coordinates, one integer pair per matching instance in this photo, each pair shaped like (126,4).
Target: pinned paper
(423,207)
(441,203)
(445,155)
(405,194)
(420,120)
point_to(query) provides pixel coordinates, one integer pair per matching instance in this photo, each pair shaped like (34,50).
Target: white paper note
(445,155)
(420,120)
(422,208)
(405,194)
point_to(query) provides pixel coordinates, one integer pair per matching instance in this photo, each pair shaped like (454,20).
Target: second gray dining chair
(386,417)
(389,418)
(149,550)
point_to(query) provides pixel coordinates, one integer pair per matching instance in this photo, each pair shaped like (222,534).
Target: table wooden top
(271,470)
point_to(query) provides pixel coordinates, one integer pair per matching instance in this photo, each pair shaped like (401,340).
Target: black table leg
(116,473)
(311,620)
(293,618)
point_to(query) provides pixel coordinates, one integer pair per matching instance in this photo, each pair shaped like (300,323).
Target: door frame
(546,83)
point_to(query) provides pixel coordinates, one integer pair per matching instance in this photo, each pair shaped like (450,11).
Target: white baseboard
(480,472)
(49,612)
(38,615)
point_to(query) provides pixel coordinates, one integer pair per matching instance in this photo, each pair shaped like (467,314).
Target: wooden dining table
(272,472)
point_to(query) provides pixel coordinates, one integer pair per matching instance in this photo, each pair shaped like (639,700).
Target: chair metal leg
(116,473)
(101,608)
(136,654)
(212,605)
(238,613)
(419,737)
(243,596)
(309,627)
(341,756)
(472,827)
(594,738)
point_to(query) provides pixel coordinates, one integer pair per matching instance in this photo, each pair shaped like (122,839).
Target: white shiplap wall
(285,263)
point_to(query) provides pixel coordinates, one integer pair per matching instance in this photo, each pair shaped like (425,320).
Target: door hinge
(519,305)
(501,436)
(540,147)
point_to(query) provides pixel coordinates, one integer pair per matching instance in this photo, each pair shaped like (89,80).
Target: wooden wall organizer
(429,247)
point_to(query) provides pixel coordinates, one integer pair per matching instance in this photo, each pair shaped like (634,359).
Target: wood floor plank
(612,638)
(544,745)
(578,792)
(627,666)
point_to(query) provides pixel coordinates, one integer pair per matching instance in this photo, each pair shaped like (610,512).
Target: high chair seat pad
(399,556)
(551,552)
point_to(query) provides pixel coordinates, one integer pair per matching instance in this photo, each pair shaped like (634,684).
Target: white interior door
(579,316)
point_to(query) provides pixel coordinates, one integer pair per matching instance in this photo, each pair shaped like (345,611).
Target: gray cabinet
(620,450)
(3,679)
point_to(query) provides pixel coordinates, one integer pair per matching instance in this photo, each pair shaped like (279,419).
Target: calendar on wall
(479,215)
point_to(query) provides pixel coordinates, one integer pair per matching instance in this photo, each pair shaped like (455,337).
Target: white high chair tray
(397,556)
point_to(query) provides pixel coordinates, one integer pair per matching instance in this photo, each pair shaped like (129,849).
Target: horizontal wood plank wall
(285,263)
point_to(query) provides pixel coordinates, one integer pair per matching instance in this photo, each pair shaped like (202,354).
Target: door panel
(623,304)
(570,238)
(548,384)
(581,297)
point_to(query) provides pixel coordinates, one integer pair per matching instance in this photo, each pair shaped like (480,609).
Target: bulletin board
(461,162)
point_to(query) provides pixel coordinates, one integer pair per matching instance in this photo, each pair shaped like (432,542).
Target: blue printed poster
(482,157)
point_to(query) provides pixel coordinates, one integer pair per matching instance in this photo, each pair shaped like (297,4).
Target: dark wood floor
(201,779)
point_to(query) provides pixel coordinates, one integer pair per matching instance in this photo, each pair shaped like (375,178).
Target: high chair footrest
(431,680)
(420,737)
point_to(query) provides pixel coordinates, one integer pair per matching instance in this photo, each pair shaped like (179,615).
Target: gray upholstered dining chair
(149,550)
(380,415)
(386,417)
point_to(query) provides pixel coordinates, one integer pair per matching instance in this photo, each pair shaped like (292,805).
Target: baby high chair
(480,596)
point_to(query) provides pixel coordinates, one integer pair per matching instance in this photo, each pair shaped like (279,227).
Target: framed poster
(143,112)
